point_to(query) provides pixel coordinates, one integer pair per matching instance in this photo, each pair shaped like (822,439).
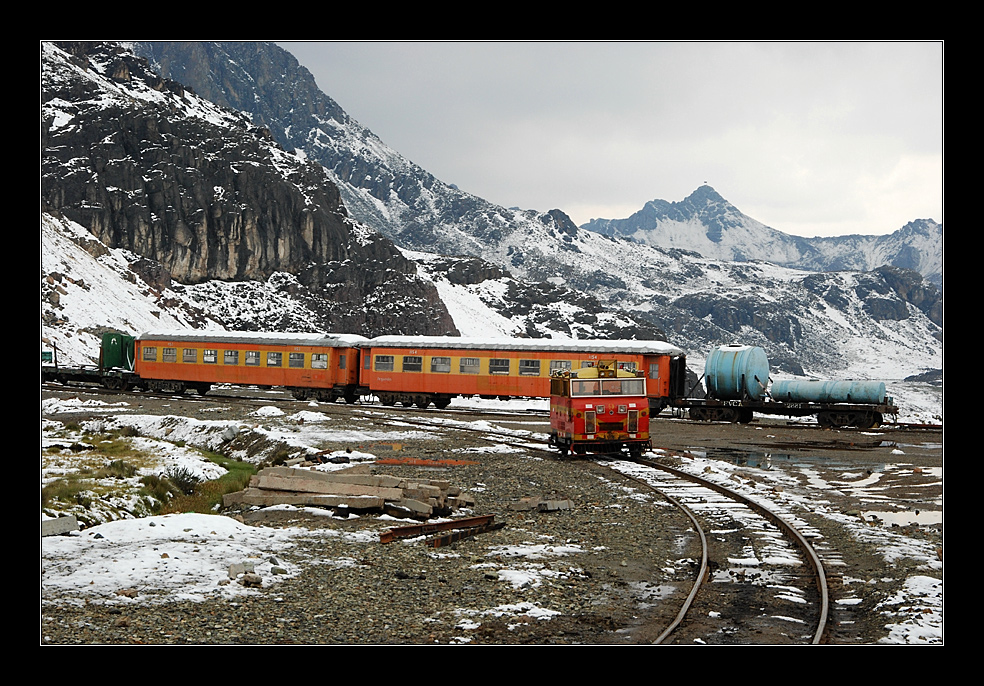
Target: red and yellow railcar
(603,409)
(420,370)
(310,365)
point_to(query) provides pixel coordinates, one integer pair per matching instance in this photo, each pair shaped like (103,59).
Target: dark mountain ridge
(149,166)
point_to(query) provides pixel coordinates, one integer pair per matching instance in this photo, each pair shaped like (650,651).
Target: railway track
(254,395)
(759,577)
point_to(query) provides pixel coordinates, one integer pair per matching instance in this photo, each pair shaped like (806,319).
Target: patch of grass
(206,496)
(117,469)
(279,457)
(159,490)
(71,490)
(184,479)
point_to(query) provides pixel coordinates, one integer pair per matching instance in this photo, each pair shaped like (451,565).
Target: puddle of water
(905,517)
(763,460)
(648,594)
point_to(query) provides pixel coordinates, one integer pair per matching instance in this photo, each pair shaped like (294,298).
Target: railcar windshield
(591,387)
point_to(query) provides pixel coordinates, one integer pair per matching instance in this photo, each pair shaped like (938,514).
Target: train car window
(384,363)
(498,366)
(366,362)
(170,354)
(583,388)
(468,365)
(150,354)
(231,358)
(630,366)
(529,367)
(654,371)
(559,364)
(413,363)
(341,361)
(210,356)
(319,361)
(587,363)
(633,386)
(611,387)
(252,358)
(275,359)
(441,365)
(189,355)
(296,360)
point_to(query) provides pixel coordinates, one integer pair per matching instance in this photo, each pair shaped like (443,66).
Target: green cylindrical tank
(736,372)
(816,391)
(116,351)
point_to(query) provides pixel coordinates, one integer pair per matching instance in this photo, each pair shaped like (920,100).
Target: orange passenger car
(420,370)
(603,409)
(310,365)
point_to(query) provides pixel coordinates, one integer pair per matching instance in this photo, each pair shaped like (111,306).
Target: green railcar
(116,352)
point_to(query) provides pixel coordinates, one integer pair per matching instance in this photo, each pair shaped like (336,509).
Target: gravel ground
(594,573)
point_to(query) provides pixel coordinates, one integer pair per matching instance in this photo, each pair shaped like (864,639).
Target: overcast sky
(808,138)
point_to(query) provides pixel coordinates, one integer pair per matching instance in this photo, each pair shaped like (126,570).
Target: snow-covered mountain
(706,223)
(526,272)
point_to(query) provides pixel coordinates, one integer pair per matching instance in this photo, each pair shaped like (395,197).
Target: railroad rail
(679,486)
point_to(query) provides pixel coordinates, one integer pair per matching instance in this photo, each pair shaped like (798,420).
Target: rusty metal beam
(424,529)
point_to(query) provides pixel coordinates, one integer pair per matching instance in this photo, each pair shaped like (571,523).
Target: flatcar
(602,409)
(738,386)
(321,366)
(420,370)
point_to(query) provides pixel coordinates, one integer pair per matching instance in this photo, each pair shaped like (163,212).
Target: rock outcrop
(147,165)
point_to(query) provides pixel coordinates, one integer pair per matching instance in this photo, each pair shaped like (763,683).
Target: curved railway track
(760,572)
(751,557)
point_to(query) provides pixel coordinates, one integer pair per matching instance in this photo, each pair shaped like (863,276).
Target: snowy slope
(84,293)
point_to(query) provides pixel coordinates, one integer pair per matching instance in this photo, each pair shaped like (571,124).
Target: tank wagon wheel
(114,383)
(698,414)
(868,420)
(745,415)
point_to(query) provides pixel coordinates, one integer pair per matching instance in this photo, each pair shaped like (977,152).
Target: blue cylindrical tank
(816,391)
(734,372)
